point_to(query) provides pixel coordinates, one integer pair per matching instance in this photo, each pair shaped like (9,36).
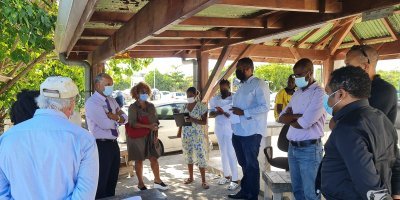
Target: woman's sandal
(205,186)
(188,181)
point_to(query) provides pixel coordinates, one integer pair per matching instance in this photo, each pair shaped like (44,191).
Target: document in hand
(235,119)
(180,119)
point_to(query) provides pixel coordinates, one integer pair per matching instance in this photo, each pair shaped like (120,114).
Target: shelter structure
(266,30)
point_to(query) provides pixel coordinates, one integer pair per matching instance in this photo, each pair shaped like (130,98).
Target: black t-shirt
(384,97)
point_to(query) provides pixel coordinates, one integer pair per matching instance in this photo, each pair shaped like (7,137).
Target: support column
(327,67)
(202,72)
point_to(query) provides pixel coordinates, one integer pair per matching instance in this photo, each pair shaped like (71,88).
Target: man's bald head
(305,64)
(363,56)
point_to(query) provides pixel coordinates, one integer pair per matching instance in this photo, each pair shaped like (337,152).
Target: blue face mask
(329,109)
(144,97)
(301,82)
(108,90)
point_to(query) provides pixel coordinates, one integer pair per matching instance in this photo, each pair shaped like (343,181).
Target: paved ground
(173,172)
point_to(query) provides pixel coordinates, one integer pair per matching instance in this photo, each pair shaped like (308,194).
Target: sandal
(205,186)
(233,186)
(188,181)
(223,181)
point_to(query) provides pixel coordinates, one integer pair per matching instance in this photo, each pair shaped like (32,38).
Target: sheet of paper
(226,108)
(235,119)
(134,198)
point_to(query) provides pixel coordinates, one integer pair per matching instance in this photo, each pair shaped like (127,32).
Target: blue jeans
(303,165)
(247,149)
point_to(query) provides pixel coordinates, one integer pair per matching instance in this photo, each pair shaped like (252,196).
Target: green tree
(122,70)
(174,81)
(393,77)
(276,74)
(26,32)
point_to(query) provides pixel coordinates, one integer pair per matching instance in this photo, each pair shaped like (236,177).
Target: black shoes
(237,196)
(142,188)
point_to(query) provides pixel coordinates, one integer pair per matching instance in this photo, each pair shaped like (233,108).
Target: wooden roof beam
(164,48)
(356,39)
(331,6)
(339,37)
(105,16)
(327,37)
(184,42)
(283,41)
(390,28)
(161,14)
(198,34)
(224,22)
(212,80)
(305,38)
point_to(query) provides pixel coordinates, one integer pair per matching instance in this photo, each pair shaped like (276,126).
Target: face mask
(144,97)
(301,82)
(240,75)
(329,109)
(224,93)
(108,90)
(191,100)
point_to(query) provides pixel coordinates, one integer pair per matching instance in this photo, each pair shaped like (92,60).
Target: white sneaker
(160,186)
(233,186)
(223,181)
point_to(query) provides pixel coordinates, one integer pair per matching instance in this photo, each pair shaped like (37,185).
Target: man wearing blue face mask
(361,156)
(306,116)
(103,116)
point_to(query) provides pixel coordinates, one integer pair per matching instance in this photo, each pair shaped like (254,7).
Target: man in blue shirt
(251,103)
(48,157)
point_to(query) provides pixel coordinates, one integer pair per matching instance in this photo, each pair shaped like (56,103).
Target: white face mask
(108,90)
(191,100)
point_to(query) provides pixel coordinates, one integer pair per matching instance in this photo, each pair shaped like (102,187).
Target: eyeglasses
(361,49)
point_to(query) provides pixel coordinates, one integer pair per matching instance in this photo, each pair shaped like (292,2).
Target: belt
(304,143)
(106,140)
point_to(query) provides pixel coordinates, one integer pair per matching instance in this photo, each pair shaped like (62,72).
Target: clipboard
(180,119)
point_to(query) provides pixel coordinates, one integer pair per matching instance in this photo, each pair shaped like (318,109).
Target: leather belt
(304,143)
(106,140)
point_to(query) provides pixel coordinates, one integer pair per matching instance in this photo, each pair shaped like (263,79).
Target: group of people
(45,156)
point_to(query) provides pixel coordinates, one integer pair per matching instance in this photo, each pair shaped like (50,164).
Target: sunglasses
(361,49)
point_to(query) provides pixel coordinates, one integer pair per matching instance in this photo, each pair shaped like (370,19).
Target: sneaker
(233,186)
(223,181)
(161,186)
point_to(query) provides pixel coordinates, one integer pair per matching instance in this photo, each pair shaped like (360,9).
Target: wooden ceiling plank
(161,14)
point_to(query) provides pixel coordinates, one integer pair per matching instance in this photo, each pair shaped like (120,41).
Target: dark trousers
(109,160)
(247,149)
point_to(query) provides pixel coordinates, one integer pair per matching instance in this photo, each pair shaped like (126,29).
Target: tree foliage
(393,77)
(123,69)
(275,74)
(174,81)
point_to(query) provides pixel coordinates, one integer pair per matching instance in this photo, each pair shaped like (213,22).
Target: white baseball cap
(59,87)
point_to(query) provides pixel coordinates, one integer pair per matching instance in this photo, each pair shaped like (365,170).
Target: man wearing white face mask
(306,116)
(47,157)
(362,159)
(103,116)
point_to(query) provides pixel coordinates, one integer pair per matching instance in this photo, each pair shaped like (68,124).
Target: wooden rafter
(295,53)
(164,48)
(199,34)
(305,38)
(356,39)
(390,28)
(283,41)
(212,80)
(339,37)
(331,6)
(184,42)
(224,22)
(161,14)
(87,13)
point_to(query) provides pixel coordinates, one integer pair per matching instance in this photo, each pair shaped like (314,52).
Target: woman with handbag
(142,140)
(194,137)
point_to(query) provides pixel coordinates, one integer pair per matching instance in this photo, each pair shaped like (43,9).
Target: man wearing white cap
(48,157)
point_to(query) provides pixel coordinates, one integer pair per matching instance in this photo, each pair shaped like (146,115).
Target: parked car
(165,95)
(168,129)
(178,95)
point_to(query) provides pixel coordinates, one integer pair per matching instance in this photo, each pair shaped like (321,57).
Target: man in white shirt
(251,103)
(47,157)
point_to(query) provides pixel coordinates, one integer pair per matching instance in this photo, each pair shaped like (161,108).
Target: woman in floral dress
(194,137)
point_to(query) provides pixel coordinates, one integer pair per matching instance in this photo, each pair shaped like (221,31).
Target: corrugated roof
(132,6)
(299,36)
(395,21)
(227,11)
(370,29)
(321,33)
